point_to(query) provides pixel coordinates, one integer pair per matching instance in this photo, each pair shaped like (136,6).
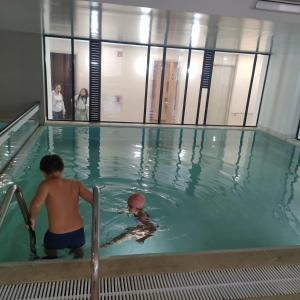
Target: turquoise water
(207,189)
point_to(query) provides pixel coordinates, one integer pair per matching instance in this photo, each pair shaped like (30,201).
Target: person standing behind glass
(58,106)
(82,105)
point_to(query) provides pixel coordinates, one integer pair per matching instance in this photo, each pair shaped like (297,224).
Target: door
(169,91)
(61,73)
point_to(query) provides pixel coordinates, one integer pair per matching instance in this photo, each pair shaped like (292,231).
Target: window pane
(203,101)
(59,78)
(180,29)
(82,70)
(125,23)
(159,26)
(257,87)
(123,79)
(174,84)
(155,68)
(229,88)
(192,97)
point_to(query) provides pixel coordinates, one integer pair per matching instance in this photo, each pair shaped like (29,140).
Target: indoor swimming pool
(207,189)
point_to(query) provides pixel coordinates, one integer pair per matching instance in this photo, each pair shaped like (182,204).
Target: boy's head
(136,202)
(51,165)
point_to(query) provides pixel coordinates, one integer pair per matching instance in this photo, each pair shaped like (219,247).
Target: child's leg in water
(124,236)
(77,253)
(50,253)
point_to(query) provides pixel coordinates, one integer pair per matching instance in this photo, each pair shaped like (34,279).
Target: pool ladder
(95,258)
(15,190)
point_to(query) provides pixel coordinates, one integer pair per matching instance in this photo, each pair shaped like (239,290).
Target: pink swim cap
(137,201)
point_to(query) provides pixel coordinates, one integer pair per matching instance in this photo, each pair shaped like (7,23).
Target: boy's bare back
(61,197)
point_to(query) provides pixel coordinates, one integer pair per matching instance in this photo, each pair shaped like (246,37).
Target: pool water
(211,189)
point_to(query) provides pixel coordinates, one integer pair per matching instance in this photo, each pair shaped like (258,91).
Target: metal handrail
(15,190)
(95,258)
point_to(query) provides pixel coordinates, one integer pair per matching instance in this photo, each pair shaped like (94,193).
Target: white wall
(21,76)
(281,102)
(123,83)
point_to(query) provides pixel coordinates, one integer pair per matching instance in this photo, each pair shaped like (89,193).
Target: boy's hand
(32,224)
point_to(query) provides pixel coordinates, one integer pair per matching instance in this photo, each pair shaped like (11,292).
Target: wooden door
(169,92)
(61,73)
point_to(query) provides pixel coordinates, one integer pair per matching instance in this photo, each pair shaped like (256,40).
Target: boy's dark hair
(51,163)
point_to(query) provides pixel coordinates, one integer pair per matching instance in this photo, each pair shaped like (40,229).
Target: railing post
(95,283)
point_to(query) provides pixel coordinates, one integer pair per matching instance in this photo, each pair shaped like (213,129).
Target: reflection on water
(207,189)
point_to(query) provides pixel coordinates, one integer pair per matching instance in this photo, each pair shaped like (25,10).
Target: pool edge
(145,264)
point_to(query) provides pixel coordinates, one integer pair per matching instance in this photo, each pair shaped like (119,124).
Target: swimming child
(61,197)
(145,227)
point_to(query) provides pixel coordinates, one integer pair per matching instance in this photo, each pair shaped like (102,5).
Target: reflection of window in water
(82,167)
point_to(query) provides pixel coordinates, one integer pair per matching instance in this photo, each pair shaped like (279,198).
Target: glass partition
(195,74)
(229,88)
(15,134)
(174,84)
(59,78)
(82,80)
(123,79)
(257,89)
(124,70)
(153,97)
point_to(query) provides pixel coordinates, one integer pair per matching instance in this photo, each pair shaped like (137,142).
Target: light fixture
(145,10)
(94,22)
(279,6)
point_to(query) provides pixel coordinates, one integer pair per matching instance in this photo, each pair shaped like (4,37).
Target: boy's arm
(37,202)
(85,193)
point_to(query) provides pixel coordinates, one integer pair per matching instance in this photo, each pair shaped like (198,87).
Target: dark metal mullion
(208,92)
(186,85)
(250,90)
(45,79)
(263,90)
(200,92)
(73,78)
(147,72)
(206,106)
(298,128)
(100,59)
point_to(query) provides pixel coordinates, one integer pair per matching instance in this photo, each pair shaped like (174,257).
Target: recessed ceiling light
(278,6)
(145,10)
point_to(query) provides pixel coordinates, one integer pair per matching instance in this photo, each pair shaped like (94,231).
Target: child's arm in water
(148,226)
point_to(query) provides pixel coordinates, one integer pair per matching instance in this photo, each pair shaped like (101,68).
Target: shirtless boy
(145,226)
(61,197)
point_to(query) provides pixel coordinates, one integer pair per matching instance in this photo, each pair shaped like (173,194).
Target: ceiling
(225,24)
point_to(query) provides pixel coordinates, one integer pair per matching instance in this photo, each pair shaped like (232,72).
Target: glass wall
(59,78)
(125,67)
(174,84)
(154,81)
(229,88)
(257,89)
(82,80)
(123,79)
(192,97)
